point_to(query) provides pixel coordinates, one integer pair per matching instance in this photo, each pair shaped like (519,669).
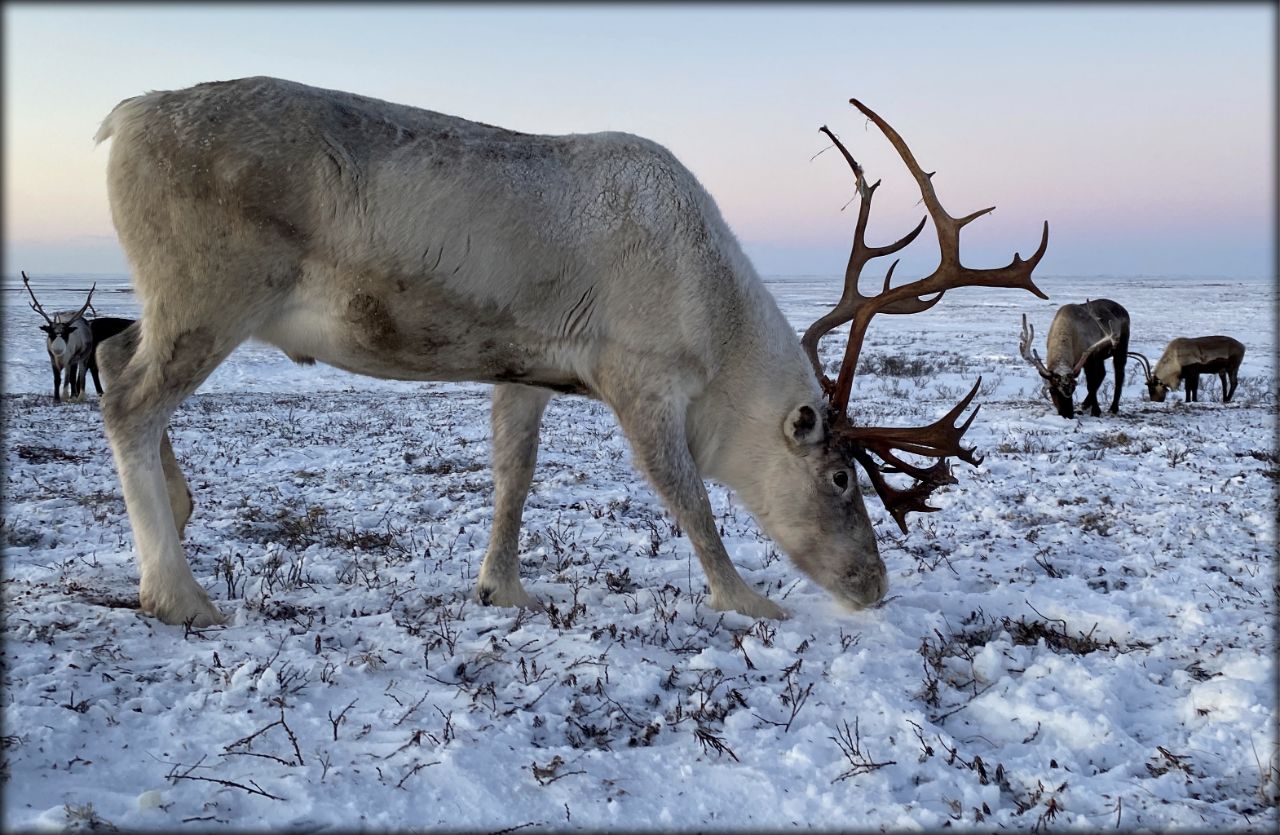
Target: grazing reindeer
(403,243)
(1188,358)
(1081,336)
(69,341)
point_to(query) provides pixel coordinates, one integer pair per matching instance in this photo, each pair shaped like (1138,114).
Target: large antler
(937,440)
(941,438)
(35,304)
(1146,364)
(851,298)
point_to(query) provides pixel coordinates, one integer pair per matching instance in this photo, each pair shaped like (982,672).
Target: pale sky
(1144,134)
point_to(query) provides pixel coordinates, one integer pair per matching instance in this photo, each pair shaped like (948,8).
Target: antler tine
(943,437)
(851,298)
(1028,352)
(937,440)
(35,304)
(949,274)
(1105,342)
(84,306)
(1146,364)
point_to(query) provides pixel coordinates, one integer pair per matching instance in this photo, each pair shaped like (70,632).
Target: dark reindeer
(69,341)
(404,243)
(1188,358)
(1082,336)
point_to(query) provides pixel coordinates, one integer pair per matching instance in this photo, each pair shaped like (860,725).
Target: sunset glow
(1143,134)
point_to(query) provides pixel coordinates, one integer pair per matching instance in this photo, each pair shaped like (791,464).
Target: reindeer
(1188,358)
(403,243)
(1081,336)
(69,341)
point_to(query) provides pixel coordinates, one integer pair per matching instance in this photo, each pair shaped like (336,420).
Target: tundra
(1188,358)
(1081,336)
(403,243)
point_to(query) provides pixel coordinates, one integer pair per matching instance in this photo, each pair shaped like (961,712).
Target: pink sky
(1144,134)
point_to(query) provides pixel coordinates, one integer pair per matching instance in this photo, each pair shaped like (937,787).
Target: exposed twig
(338,721)
(851,746)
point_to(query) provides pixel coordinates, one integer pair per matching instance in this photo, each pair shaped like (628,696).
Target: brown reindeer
(1081,336)
(1188,358)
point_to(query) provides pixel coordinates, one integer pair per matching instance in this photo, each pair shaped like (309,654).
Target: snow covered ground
(1083,637)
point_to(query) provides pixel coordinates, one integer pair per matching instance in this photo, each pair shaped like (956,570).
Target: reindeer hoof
(510,597)
(189,606)
(748,603)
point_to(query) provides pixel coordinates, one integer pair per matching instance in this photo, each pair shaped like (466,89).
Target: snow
(1083,637)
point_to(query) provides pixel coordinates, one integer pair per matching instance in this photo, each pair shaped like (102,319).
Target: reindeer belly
(422,336)
(1213,366)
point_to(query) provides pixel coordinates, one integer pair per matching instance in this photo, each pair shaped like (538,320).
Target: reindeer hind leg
(1121,356)
(145,388)
(115,358)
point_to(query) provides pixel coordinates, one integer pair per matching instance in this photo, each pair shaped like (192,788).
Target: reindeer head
(58,329)
(842,441)
(1156,388)
(819,518)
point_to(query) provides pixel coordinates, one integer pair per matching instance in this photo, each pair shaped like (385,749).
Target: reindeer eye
(840,479)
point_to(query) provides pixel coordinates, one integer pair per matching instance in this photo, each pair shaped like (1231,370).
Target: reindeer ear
(46,328)
(803,426)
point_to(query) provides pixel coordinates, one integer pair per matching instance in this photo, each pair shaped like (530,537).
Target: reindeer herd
(403,243)
(1084,336)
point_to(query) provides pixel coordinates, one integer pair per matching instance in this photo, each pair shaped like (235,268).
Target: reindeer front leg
(654,423)
(57,382)
(516,415)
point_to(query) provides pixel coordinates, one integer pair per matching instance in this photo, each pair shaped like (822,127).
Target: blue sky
(1144,134)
